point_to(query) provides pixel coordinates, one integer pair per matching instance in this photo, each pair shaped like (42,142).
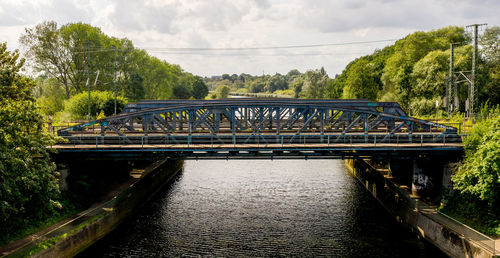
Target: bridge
(259,128)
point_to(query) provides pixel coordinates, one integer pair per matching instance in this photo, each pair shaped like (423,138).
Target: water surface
(263,208)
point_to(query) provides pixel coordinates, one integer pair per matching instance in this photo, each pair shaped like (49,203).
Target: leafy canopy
(28,180)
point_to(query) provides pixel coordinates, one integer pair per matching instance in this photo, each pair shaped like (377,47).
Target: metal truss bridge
(259,128)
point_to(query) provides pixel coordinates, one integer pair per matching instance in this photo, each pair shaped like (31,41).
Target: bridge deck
(176,147)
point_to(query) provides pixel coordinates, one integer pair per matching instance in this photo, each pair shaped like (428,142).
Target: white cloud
(240,23)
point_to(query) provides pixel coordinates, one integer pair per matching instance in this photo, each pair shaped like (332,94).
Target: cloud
(130,15)
(14,14)
(346,15)
(243,23)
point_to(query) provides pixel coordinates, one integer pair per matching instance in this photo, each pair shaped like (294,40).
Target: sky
(213,37)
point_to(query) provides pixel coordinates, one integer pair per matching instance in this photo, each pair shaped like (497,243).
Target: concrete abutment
(410,191)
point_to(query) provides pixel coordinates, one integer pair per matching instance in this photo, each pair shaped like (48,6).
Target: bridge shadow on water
(262,208)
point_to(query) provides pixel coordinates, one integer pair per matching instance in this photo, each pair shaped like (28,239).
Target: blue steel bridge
(259,129)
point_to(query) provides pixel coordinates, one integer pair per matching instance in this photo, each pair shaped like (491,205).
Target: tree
(135,90)
(256,85)
(429,75)
(297,85)
(361,81)
(222,91)
(29,186)
(180,91)
(200,89)
(399,66)
(50,95)
(45,47)
(62,53)
(276,82)
(491,68)
(490,42)
(315,84)
(429,78)
(159,77)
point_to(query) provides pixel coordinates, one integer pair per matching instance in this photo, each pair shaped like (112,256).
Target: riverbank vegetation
(475,197)
(29,190)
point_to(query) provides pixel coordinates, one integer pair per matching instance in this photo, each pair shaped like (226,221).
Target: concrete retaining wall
(404,208)
(125,205)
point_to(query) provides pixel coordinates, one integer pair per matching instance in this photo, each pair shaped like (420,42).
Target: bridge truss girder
(240,122)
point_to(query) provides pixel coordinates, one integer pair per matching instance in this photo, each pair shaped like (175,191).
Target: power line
(272,47)
(235,54)
(187,49)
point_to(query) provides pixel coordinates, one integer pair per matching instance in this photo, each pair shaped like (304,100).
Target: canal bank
(452,237)
(74,235)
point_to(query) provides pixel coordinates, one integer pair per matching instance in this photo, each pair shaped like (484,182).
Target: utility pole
(114,77)
(473,91)
(451,87)
(88,76)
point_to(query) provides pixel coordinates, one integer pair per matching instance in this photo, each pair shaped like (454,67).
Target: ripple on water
(262,208)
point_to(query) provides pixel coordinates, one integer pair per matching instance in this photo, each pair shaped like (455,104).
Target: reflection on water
(263,208)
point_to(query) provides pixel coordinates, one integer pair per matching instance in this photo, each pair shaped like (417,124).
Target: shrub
(479,176)
(100,101)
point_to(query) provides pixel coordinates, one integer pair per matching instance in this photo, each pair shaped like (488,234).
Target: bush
(222,91)
(100,101)
(479,175)
(475,198)
(421,107)
(50,96)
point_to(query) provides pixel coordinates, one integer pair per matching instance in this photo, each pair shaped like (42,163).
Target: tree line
(70,57)
(312,84)
(413,71)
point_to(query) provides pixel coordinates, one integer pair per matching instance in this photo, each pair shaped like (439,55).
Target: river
(263,208)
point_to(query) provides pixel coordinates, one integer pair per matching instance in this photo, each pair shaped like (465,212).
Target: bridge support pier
(424,176)
(427,177)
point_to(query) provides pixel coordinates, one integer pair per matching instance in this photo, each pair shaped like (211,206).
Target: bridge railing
(475,236)
(228,140)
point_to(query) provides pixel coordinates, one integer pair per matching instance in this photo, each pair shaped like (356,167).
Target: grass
(28,226)
(52,241)
(487,224)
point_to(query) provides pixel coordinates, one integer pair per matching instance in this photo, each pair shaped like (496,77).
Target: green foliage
(134,90)
(408,51)
(297,85)
(361,81)
(292,84)
(200,89)
(222,91)
(414,71)
(316,84)
(60,53)
(276,82)
(256,86)
(479,176)
(180,92)
(491,67)
(424,106)
(49,95)
(471,212)
(100,101)
(28,180)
